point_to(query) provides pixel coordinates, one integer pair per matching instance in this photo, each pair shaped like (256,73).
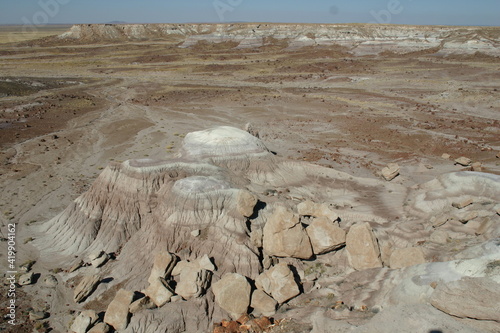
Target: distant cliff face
(362,38)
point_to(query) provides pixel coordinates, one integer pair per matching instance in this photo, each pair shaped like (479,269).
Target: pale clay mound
(285,239)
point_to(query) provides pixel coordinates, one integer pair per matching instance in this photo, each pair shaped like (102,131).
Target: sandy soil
(67,110)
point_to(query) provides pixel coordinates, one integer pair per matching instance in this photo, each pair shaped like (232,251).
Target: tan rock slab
(117,313)
(262,303)
(245,203)
(362,248)
(391,171)
(86,287)
(284,236)
(279,282)
(476,298)
(159,292)
(100,328)
(406,257)
(232,293)
(461,204)
(310,208)
(325,235)
(163,265)
(463,161)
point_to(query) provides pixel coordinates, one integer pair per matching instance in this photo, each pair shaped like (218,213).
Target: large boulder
(159,292)
(194,277)
(100,328)
(83,321)
(246,202)
(362,248)
(310,208)
(325,235)
(262,303)
(163,265)
(279,282)
(284,236)
(117,313)
(232,293)
(469,297)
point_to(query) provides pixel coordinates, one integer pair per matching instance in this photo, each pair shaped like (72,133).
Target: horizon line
(257,22)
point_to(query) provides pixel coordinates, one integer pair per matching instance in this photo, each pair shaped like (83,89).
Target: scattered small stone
(464,161)
(477,166)
(38,315)
(463,203)
(195,233)
(468,216)
(99,261)
(95,255)
(27,266)
(485,224)
(391,171)
(50,281)
(26,279)
(439,221)
(446,156)
(76,266)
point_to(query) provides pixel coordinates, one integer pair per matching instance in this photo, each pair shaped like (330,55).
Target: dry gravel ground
(67,110)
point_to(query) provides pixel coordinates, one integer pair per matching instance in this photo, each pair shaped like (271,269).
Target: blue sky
(424,12)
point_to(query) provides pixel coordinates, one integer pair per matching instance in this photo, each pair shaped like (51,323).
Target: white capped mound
(221,142)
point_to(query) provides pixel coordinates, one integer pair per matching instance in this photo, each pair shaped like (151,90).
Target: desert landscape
(250,178)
